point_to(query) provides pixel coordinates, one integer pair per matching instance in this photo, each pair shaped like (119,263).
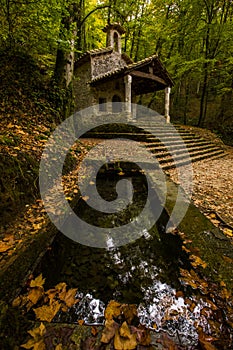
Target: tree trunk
(203,97)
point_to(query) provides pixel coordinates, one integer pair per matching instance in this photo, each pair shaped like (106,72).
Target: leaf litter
(123,328)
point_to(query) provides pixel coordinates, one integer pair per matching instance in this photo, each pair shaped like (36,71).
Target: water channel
(145,272)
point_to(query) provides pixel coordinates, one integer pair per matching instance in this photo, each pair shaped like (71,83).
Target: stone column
(128,82)
(167,104)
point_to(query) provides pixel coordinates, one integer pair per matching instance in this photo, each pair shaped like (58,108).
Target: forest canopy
(193,38)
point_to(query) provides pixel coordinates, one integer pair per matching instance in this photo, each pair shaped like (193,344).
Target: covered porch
(143,77)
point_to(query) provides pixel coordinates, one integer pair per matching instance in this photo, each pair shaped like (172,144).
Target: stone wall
(107,62)
(82,89)
(108,90)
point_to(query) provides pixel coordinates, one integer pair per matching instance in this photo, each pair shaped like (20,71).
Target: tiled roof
(95,52)
(133,66)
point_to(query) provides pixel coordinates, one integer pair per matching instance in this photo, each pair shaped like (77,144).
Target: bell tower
(114,32)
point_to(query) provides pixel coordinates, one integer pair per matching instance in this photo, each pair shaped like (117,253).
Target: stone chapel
(107,75)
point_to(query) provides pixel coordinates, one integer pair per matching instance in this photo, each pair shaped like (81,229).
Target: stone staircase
(172,145)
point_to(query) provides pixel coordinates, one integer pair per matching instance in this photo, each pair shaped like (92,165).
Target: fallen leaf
(35,294)
(51,294)
(109,330)
(4,247)
(143,335)
(37,342)
(47,312)
(205,340)
(197,261)
(228,232)
(60,286)
(58,347)
(85,198)
(17,301)
(167,342)
(129,311)
(94,331)
(69,297)
(123,339)
(37,282)
(35,345)
(113,309)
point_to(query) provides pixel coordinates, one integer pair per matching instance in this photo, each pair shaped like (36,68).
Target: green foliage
(193,39)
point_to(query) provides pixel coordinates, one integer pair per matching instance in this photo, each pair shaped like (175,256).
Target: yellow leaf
(38,281)
(112,310)
(35,345)
(69,198)
(124,330)
(58,347)
(85,198)
(121,173)
(35,294)
(37,226)
(125,343)
(38,332)
(37,342)
(51,294)
(197,261)
(47,312)
(228,232)
(60,286)
(81,322)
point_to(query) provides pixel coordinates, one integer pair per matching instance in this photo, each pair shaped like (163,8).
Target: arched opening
(116,42)
(116,104)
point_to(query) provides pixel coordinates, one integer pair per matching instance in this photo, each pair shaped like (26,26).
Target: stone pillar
(167,104)
(128,82)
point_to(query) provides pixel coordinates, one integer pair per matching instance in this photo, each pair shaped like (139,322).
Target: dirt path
(213,186)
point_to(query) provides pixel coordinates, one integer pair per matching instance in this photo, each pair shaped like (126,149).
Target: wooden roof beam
(151,76)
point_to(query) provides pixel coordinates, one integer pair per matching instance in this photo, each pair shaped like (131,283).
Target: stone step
(191,154)
(208,147)
(175,143)
(212,155)
(162,139)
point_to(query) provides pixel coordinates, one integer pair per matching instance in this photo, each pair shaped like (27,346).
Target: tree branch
(92,11)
